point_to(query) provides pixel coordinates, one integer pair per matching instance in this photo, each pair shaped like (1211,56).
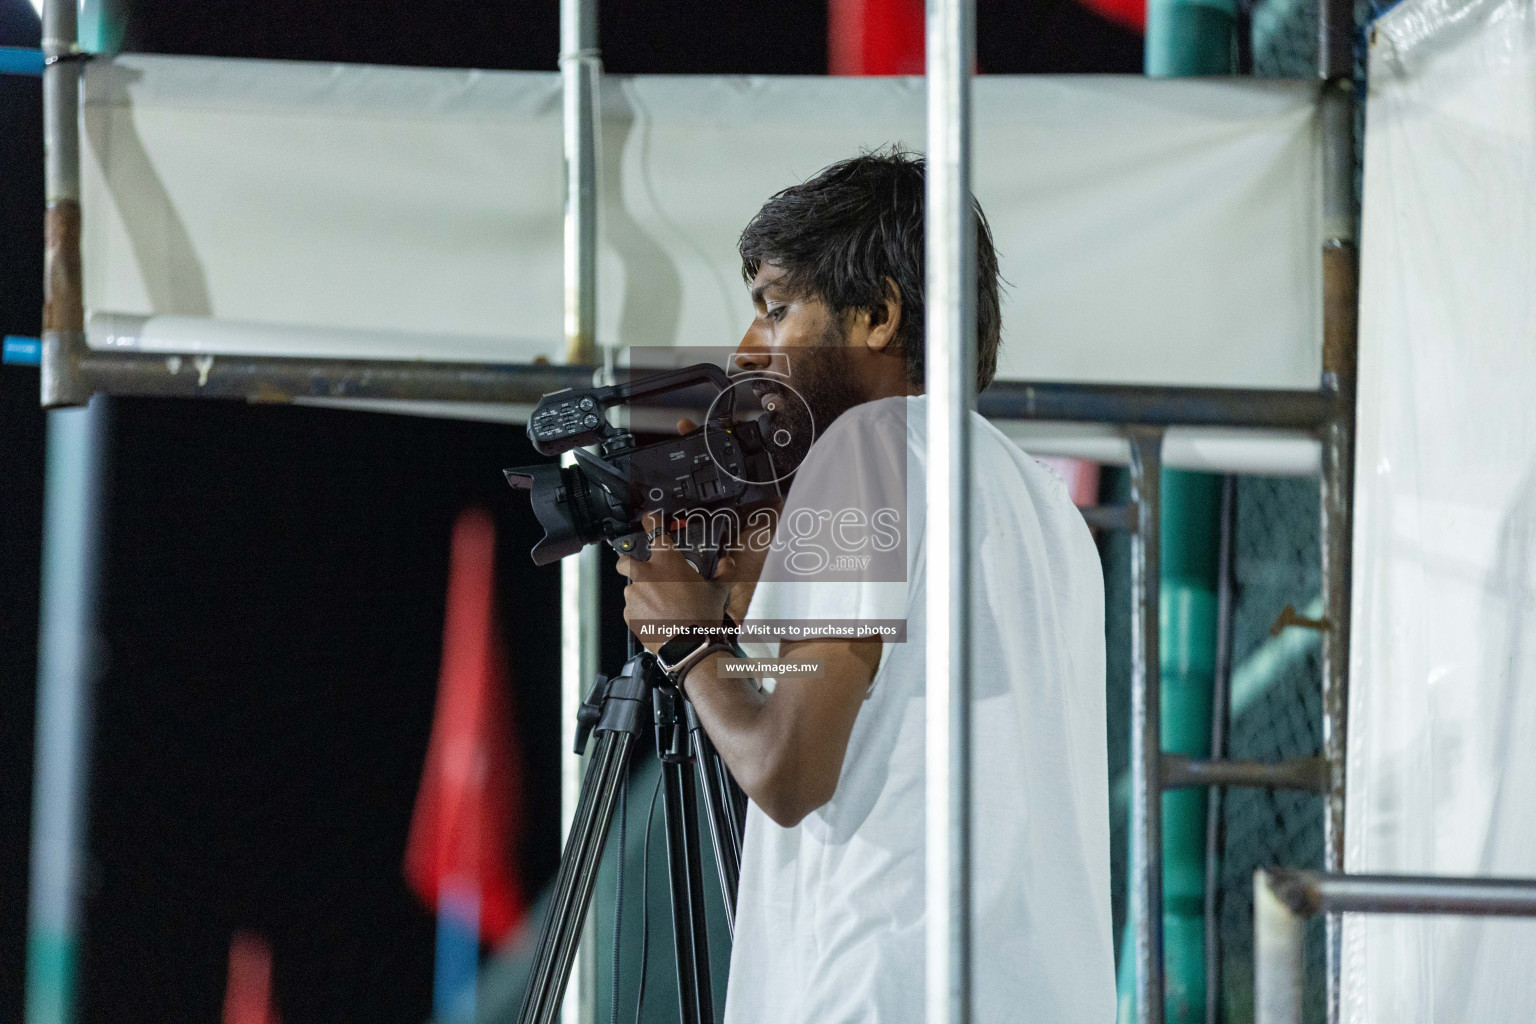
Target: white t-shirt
(830,919)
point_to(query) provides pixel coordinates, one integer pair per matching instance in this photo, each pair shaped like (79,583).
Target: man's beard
(821,388)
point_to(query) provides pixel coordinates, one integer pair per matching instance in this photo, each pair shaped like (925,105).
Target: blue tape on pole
(17,61)
(22,351)
(458,951)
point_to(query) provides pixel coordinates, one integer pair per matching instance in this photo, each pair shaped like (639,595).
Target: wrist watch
(681,653)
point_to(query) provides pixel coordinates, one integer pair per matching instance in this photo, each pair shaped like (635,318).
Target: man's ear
(885,320)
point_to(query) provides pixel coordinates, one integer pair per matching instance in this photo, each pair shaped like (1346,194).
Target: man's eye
(777,312)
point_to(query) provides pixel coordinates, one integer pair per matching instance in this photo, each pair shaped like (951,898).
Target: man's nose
(751,357)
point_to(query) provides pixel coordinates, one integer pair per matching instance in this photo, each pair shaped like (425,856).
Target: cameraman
(830,912)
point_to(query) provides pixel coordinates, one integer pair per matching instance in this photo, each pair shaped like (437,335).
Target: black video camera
(702,485)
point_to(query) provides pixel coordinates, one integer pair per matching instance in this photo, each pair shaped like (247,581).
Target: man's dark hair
(843,233)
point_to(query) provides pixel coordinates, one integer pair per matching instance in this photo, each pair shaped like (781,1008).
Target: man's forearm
(734,712)
(785,748)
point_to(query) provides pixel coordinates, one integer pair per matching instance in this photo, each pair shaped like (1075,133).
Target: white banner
(1150,231)
(1442,768)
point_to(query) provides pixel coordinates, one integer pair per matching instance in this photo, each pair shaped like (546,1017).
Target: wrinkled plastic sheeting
(1442,764)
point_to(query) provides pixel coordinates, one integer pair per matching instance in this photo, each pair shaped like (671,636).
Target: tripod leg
(723,812)
(578,872)
(689,931)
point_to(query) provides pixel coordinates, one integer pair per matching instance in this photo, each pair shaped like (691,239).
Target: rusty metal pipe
(1341,296)
(1146,838)
(282,379)
(63,332)
(1155,405)
(1110,517)
(1307,774)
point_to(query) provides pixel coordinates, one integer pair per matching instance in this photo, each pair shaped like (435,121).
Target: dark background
(275,576)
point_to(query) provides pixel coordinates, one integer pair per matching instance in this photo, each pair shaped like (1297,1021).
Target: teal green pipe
(1184,38)
(101,25)
(1191,38)
(1190,524)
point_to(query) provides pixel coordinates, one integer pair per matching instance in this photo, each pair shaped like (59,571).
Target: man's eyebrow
(757,292)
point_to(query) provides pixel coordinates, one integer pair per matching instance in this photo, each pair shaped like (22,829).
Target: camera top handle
(574,417)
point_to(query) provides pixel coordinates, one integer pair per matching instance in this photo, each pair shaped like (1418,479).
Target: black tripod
(615,712)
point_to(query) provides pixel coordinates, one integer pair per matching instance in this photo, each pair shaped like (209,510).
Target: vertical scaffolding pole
(581,74)
(71,556)
(1279,955)
(1146,838)
(950,239)
(1340,313)
(579,612)
(581,70)
(1336,65)
(1221,710)
(63,303)
(66,670)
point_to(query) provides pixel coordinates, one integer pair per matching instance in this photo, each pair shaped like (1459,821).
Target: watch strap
(679,648)
(693,660)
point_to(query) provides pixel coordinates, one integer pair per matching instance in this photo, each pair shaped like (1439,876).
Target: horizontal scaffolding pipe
(1110,517)
(1308,774)
(282,379)
(1307,893)
(1158,405)
(78,371)
(1284,899)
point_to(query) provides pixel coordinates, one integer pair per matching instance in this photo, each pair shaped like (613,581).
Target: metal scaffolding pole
(1340,319)
(63,303)
(950,239)
(1146,834)
(1221,710)
(1283,900)
(71,561)
(66,673)
(1157,405)
(580,605)
(581,70)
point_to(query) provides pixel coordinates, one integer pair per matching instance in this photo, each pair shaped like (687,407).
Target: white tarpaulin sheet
(1159,232)
(1442,763)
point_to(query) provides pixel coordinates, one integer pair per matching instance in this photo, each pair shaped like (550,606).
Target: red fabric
(248,989)
(875,37)
(468,812)
(1130,14)
(885,37)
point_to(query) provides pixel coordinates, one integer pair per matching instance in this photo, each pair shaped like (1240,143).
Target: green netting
(1277,714)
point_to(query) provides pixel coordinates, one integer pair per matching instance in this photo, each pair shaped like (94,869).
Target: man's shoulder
(867,442)
(893,417)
